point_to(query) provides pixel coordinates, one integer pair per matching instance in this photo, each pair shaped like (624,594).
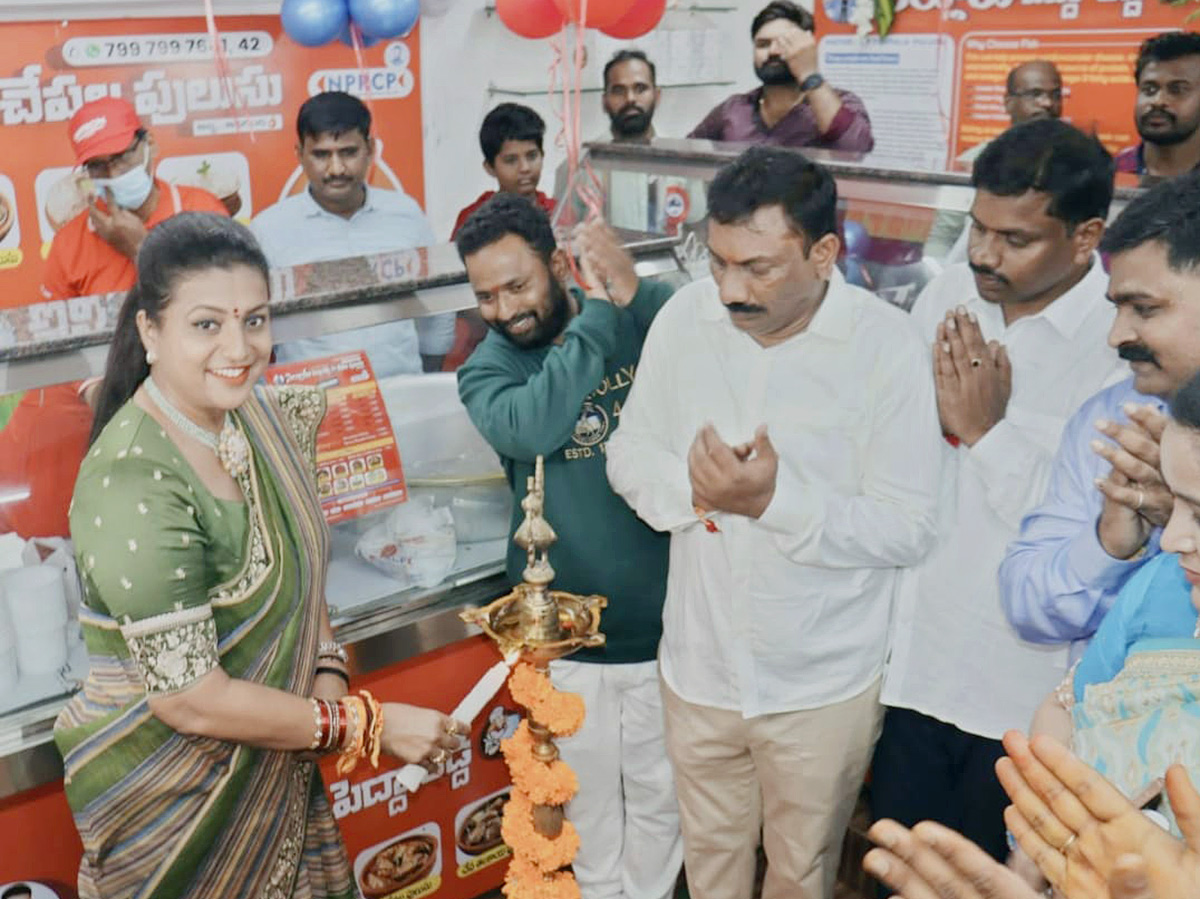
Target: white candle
(412,776)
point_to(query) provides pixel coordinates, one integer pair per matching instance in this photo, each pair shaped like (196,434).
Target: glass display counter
(899,227)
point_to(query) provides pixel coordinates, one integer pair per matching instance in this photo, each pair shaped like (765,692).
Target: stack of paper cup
(8,649)
(37,605)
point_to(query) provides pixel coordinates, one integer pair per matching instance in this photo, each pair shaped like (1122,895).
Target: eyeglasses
(106,166)
(1038,94)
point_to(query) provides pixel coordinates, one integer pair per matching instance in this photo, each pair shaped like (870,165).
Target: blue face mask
(129,190)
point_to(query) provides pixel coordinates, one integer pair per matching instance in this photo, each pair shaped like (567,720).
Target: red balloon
(641,19)
(530,18)
(600,13)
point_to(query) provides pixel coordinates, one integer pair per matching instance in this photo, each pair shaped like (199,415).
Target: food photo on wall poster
(402,867)
(477,839)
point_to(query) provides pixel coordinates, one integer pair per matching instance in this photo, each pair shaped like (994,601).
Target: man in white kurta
(782,427)
(958,675)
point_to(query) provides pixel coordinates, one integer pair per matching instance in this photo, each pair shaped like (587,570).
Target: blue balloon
(313,23)
(364,39)
(385,18)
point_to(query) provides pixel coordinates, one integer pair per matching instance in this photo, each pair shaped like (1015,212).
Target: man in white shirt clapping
(783,428)
(1019,341)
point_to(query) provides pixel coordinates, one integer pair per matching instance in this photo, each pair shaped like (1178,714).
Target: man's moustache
(744,307)
(988,272)
(1136,352)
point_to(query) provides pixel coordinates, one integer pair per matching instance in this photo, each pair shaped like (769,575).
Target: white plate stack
(37,607)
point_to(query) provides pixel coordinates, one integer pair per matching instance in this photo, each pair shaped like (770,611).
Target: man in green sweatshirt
(550,379)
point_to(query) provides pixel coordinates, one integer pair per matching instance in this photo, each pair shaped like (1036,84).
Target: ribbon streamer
(565,92)
(224,69)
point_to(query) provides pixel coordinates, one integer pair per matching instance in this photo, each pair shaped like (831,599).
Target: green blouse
(153,543)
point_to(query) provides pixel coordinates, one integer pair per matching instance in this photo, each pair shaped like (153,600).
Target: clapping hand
(607,266)
(736,479)
(933,862)
(1089,839)
(1136,500)
(973,378)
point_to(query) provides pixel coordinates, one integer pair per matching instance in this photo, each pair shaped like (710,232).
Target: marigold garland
(561,713)
(544,784)
(516,827)
(524,881)
(533,870)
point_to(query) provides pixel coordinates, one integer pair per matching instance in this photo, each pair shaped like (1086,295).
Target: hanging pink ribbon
(224,69)
(565,92)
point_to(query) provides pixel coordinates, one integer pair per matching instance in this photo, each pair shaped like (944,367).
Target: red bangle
(343,720)
(327,724)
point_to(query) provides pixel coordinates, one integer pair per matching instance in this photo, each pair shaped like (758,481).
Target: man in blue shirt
(1106,502)
(340,215)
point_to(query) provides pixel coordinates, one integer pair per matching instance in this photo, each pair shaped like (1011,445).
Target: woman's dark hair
(183,245)
(509,121)
(1167,213)
(1051,157)
(1185,405)
(502,215)
(783,9)
(773,176)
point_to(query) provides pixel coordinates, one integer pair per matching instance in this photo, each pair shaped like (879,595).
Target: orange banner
(238,143)
(935,85)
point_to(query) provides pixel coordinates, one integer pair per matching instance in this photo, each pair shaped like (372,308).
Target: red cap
(103,127)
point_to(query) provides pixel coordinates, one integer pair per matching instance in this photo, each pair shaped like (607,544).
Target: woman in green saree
(202,551)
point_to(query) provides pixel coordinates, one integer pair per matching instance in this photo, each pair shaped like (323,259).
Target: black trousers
(925,769)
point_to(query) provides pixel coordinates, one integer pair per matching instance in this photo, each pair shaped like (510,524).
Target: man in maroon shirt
(795,107)
(1167,111)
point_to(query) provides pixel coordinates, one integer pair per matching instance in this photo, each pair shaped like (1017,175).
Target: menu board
(358,462)
(935,85)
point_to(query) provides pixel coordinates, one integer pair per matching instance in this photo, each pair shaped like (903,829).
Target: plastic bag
(415,543)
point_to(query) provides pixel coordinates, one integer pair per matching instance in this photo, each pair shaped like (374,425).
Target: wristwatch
(812,82)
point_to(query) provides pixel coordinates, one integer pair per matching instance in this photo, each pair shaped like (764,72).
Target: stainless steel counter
(384,637)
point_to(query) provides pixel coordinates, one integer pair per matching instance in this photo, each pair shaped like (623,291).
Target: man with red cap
(95,251)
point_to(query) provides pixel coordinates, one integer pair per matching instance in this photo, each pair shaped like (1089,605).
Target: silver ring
(1141,499)
(976,362)
(1067,845)
(438,757)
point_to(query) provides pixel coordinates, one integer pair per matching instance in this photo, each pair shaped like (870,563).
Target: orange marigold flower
(561,712)
(522,837)
(544,784)
(524,881)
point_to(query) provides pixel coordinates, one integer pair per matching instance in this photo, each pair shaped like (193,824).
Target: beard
(545,329)
(775,72)
(632,121)
(1165,135)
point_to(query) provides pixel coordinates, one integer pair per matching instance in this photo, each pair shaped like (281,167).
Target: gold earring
(151,357)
